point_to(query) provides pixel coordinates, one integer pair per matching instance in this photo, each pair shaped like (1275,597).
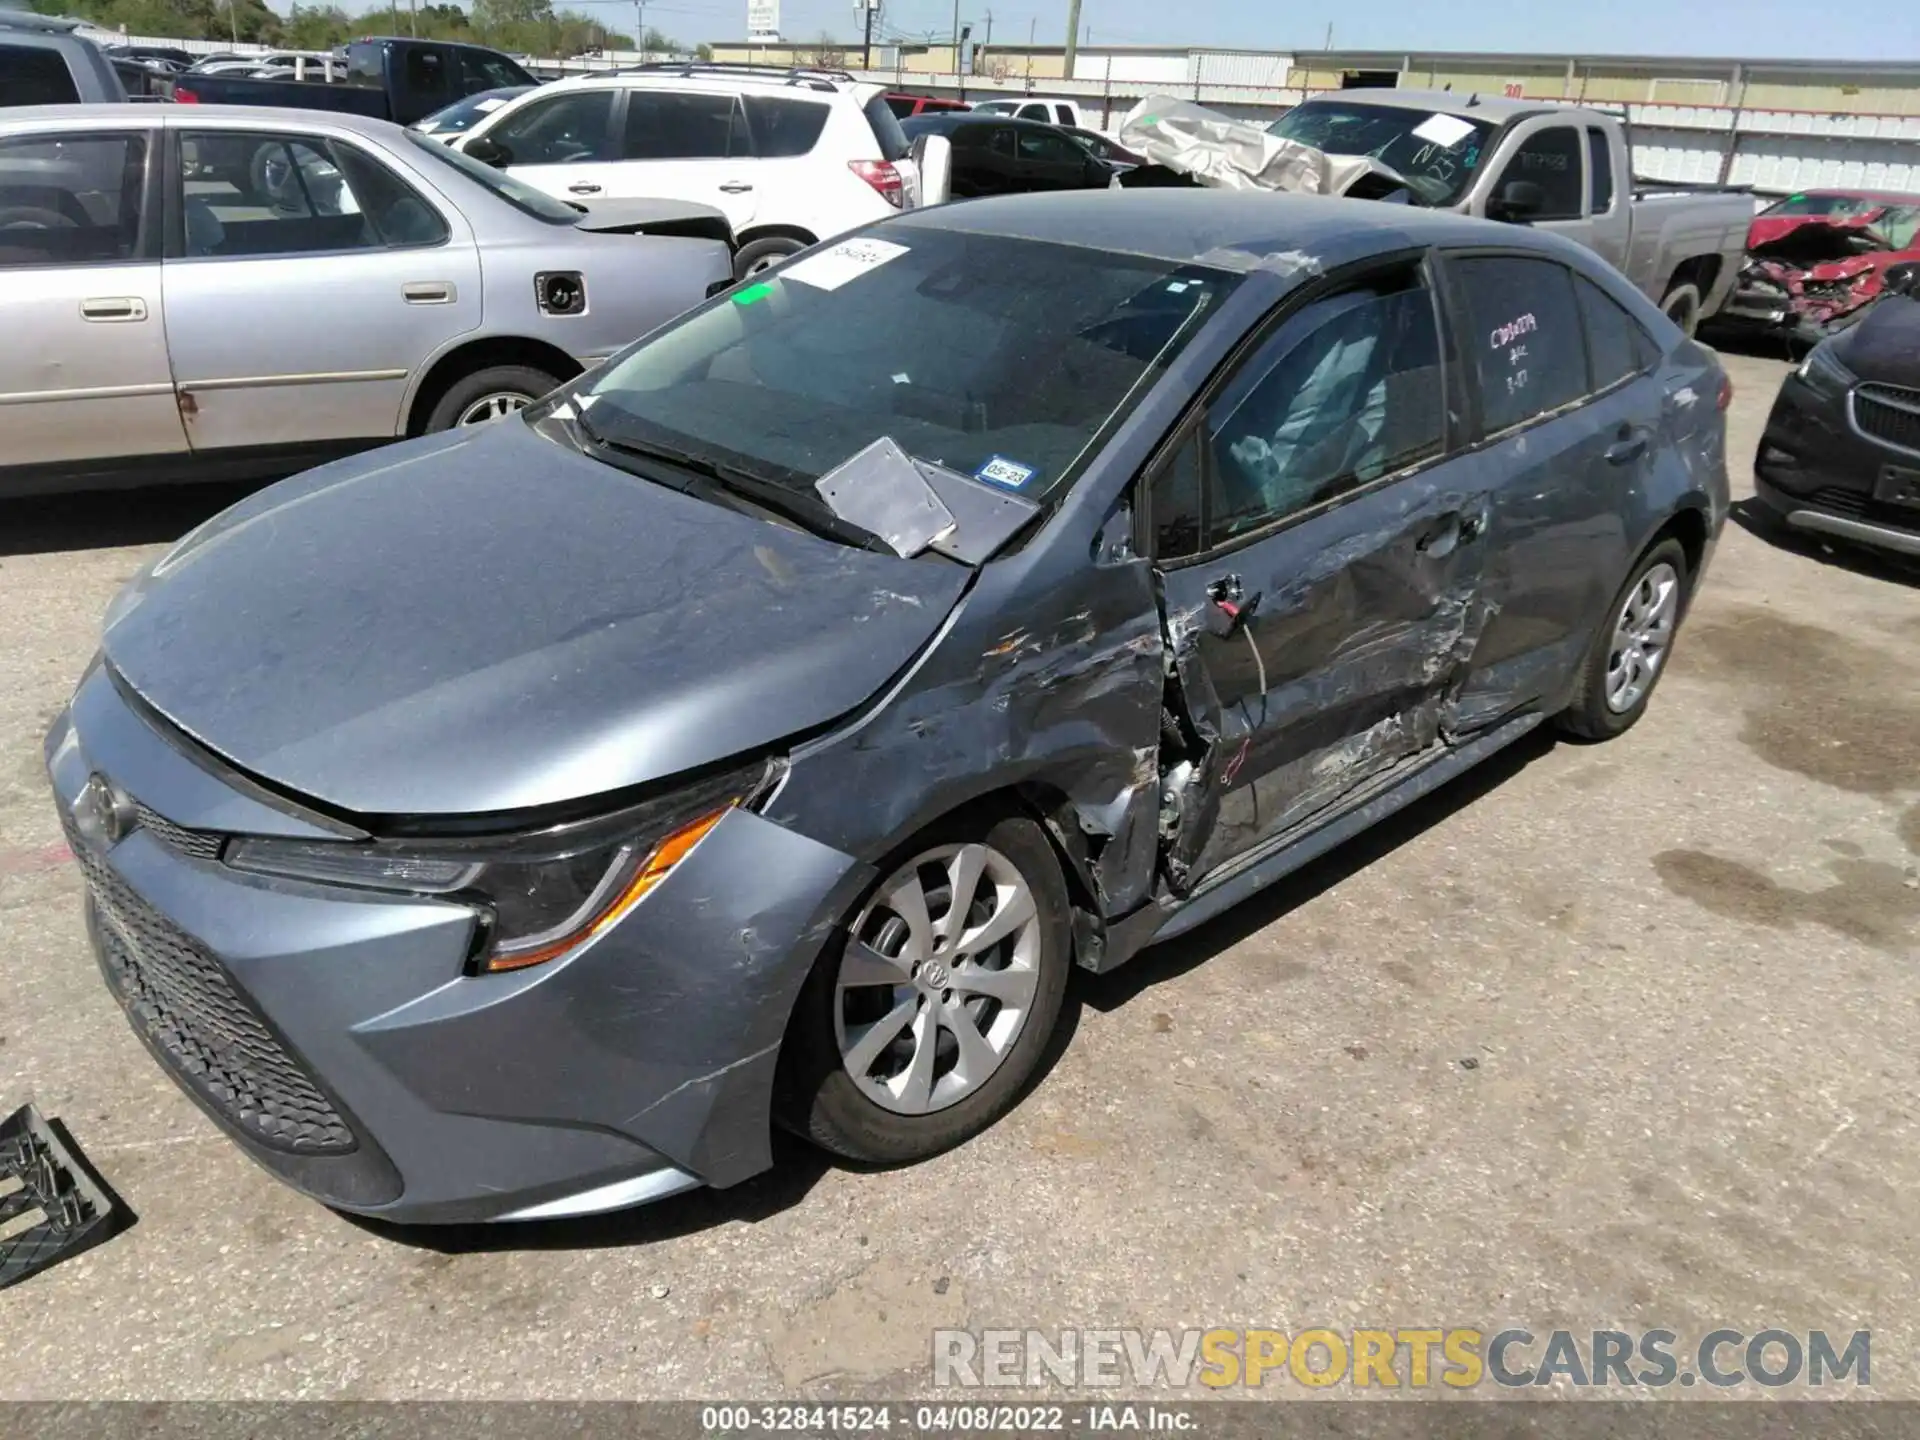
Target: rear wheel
(920,1028)
(489,394)
(1682,306)
(1630,652)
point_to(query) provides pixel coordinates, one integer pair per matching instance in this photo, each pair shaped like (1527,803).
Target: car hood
(1886,345)
(484,621)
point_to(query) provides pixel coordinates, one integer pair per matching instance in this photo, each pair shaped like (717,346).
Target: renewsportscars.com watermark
(1398,1359)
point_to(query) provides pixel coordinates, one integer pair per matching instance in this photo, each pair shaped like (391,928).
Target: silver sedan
(237,292)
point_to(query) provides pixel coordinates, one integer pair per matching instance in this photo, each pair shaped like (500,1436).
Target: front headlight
(1822,371)
(540,894)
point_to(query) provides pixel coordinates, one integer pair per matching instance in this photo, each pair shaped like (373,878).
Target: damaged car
(521,821)
(1817,262)
(1840,457)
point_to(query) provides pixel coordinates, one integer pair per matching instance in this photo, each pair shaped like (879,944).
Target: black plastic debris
(53,1204)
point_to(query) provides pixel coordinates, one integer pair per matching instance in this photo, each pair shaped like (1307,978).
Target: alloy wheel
(938,978)
(493,407)
(1642,637)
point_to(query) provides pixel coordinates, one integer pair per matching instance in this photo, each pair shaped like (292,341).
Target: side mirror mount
(1902,280)
(489,152)
(1517,202)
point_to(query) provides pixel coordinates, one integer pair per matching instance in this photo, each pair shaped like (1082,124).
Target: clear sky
(1773,29)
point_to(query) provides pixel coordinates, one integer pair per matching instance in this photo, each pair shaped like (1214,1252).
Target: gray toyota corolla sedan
(519,822)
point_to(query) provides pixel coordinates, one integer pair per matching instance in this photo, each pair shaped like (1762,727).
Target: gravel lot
(1681,964)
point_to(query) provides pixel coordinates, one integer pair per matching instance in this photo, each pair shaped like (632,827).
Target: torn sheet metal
(1226,154)
(1810,277)
(52,1204)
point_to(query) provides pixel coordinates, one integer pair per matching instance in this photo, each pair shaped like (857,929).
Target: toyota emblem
(102,813)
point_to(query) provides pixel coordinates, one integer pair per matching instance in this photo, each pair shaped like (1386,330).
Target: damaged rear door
(1320,560)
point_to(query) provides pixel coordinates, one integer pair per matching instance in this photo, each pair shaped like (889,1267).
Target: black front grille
(1890,413)
(195,844)
(179,997)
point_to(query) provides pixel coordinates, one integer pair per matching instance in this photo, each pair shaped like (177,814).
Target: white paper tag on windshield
(848,260)
(1446,131)
(485,105)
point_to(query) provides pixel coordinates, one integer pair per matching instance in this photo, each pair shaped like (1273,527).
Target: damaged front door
(1320,559)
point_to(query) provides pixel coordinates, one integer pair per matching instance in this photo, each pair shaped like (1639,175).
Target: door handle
(428,292)
(583,187)
(1630,445)
(114,309)
(735,187)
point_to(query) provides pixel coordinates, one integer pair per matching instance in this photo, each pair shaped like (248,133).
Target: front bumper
(333,1034)
(1821,475)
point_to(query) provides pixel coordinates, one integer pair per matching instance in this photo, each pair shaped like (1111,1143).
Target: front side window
(1034,112)
(784,128)
(1523,333)
(1053,149)
(557,130)
(670,125)
(1550,159)
(425,72)
(927,335)
(83,205)
(292,195)
(482,71)
(33,75)
(517,193)
(1347,390)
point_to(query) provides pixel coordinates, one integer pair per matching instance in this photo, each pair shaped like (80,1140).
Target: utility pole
(1073,37)
(956,39)
(866,42)
(640,29)
(413,18)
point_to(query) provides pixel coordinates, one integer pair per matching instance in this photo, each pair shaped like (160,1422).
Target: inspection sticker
(848,260)
(999,470)
(1446,131)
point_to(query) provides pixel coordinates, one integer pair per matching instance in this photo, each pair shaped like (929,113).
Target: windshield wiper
(798,506)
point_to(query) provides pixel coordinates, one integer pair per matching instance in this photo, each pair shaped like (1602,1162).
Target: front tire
(759,256)
(1630,651)
(490,394)
(921,1026)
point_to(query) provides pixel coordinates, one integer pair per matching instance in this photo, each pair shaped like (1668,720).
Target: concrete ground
(1610,1035)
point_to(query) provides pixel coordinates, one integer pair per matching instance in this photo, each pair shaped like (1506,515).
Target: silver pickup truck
(1553,167)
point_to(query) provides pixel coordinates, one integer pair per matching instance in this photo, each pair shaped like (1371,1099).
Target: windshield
(521,196)
(1436,153)
(464,114)
(999,358)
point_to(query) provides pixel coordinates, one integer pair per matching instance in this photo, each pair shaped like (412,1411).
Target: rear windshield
(521,196)
(886,129)
(927,335)
(1437,154)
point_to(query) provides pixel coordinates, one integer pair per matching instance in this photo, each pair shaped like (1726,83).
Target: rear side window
(287,196)
(30,75)
(784,128)
(397,211)
(1616,345)
(1523,332)
(1173,503)
(668,125)
(886,130)
(1347,391)
(1599,173)
(84,205)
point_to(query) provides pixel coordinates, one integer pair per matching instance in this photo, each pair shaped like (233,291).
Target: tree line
(520,27)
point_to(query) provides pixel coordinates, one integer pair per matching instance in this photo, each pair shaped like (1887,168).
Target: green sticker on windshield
(753,293)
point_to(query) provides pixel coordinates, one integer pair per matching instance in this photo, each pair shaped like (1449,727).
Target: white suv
(792,156)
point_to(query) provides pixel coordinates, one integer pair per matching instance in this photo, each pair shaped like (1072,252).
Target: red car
(905,107)
(1817,260)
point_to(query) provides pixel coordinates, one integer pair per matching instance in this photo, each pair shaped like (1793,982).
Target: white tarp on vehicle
(1230,154)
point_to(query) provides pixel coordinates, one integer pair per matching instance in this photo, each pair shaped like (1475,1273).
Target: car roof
(197,117)
(801,83)
(1205,225)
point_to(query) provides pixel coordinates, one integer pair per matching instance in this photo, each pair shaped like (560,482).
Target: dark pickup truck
(389,79)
